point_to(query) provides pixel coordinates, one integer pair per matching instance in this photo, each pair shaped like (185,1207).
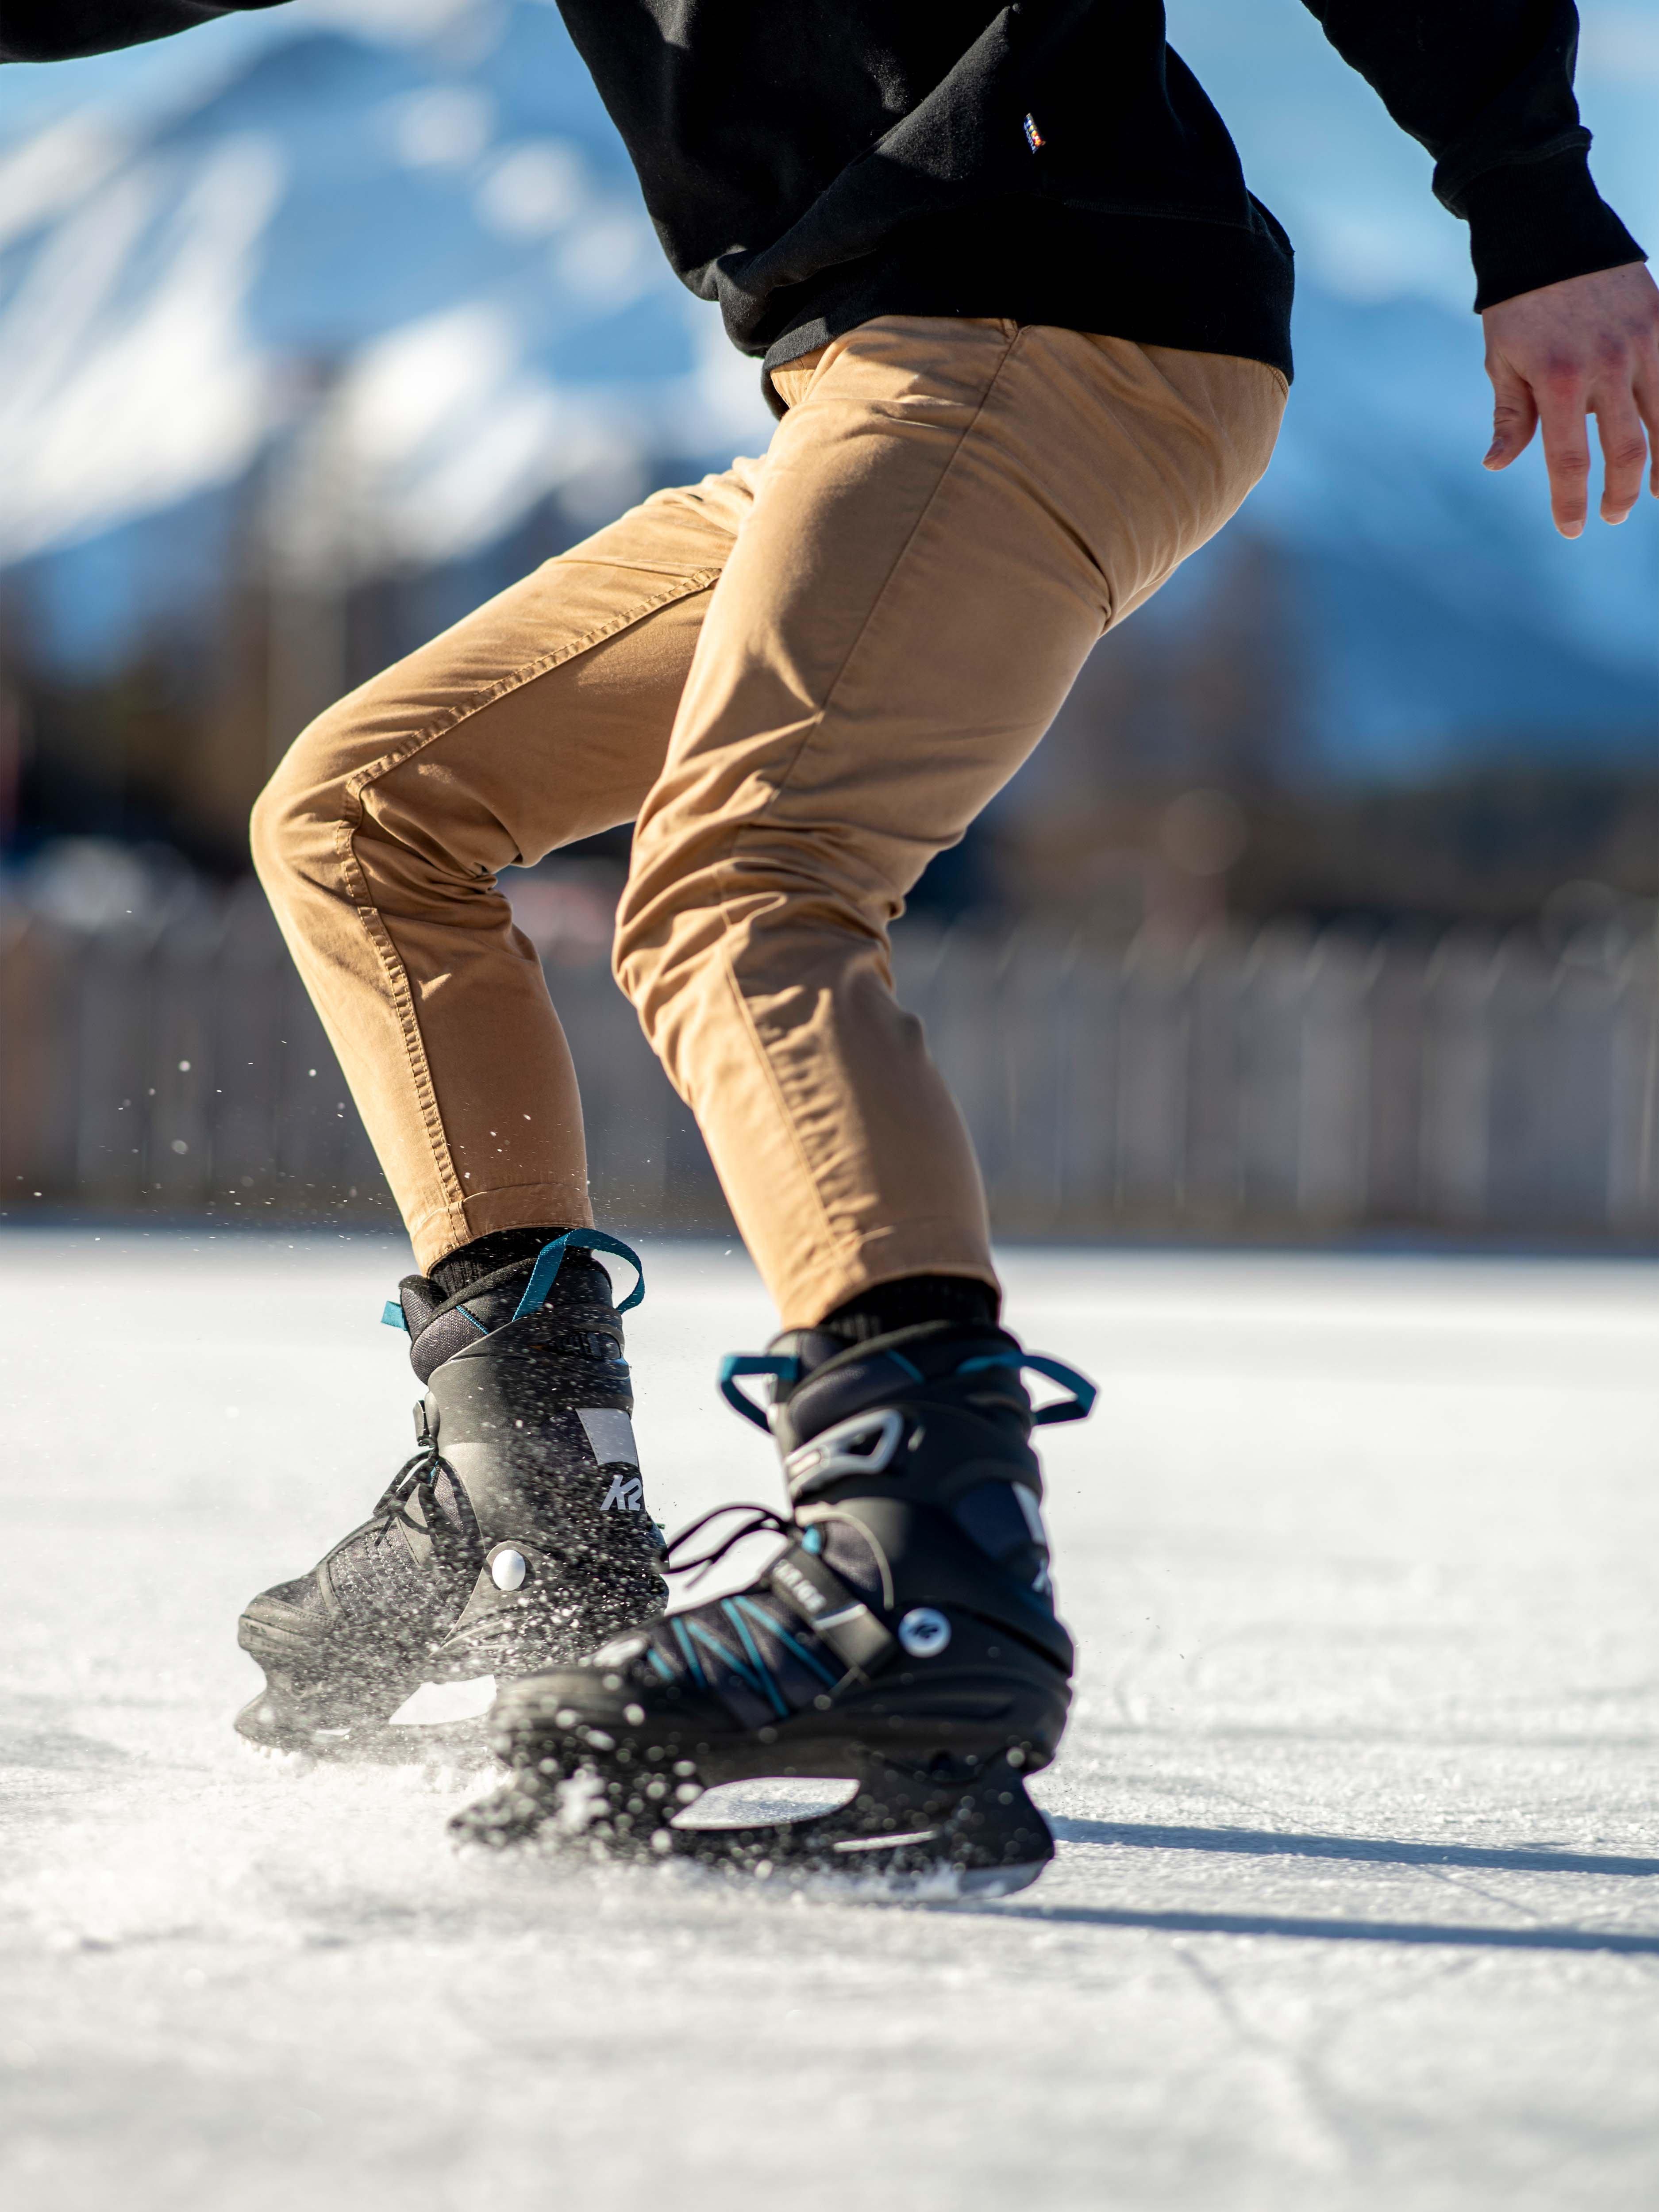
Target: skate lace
(763,1520)
(420,1471)
(699,1639)
(760,1521)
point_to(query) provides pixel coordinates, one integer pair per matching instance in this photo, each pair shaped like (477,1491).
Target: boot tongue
(440,1327)
(437,1329)
(420,1299)
(809,1347)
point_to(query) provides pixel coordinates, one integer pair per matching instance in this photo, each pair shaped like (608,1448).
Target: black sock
(503,1248)
(965,1299)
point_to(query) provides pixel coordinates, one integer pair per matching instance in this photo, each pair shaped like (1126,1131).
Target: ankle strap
(550,1259)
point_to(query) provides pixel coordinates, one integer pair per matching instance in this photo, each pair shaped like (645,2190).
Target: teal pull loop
(1077,1407)
(391,1317)
(551,1258)
(753,1362)
(1081,1404)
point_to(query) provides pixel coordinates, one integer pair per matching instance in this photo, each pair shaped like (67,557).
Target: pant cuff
(912,1247)
(523,1206)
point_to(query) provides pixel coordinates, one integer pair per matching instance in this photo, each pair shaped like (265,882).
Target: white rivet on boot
(508,1569)
(923,1633)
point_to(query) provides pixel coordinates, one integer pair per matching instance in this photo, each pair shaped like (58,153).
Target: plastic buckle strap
(834,1612)
(736,1364)
(551,1258)
(1077,1407)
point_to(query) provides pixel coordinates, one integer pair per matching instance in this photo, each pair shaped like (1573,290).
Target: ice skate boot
(903,1639)
(516,1537)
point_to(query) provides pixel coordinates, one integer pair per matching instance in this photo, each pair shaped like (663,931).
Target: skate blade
(861,1879)
(979,1842)
(437,1724)
(276,1758)
(901,1872)
(913,1869)
(445,1705)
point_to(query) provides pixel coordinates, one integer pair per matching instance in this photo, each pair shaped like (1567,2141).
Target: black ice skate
(903,1639)
(515,1538)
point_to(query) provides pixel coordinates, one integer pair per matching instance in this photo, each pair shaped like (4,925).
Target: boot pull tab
(778,1365)
(551,1258)
(1077,1407)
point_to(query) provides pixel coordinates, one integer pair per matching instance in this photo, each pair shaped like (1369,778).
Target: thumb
(1515,416)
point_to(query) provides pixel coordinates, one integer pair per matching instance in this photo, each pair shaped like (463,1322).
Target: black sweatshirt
(812,164)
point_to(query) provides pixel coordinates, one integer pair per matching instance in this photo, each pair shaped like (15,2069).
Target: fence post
(38,998)
(1633,1140)
(1270,1032)
(1396,1007)
(115,972)
(1154,1089)
(1334,1104)
(1455,1143)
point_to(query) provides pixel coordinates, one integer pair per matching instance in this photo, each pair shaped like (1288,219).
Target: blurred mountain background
(318,326)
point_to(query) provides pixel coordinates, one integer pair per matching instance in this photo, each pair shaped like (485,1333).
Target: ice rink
(1357,1895)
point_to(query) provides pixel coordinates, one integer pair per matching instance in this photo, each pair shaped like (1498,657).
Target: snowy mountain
(463,247)
(409,234)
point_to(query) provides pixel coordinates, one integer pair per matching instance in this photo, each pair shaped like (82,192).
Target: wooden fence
(1286,1085)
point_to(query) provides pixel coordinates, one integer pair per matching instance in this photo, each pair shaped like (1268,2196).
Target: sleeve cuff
(1539,222)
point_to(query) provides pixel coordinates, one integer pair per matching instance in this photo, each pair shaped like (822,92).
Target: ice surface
(1357,1896)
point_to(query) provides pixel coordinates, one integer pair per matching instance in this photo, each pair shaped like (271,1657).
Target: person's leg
(541,719)
(951,514)
(519,1533)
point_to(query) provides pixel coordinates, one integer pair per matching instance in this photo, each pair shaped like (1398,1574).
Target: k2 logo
(625,1494)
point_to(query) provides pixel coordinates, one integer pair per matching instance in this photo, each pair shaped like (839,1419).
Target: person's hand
(1589,346)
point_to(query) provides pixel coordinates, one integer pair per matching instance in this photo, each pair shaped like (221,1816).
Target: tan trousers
(803,678)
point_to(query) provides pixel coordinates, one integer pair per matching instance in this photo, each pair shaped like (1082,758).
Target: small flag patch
(1034,137)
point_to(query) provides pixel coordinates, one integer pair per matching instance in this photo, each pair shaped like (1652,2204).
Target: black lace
(762,1521)
(420,1471)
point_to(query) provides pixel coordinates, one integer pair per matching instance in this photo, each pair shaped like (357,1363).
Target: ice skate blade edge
(804,1857)
(843,1880)
(941,1885)
(370,1743)
(275,1757)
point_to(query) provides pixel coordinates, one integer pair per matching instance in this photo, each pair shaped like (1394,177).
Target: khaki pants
(802,677)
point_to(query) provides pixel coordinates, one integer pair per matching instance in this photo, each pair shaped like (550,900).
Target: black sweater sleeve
(1486,86)
(58,30)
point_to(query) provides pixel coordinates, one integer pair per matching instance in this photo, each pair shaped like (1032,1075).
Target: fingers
(1515,418)
(1647,405)
(1623,450)
(1566,452)
(1588,345)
